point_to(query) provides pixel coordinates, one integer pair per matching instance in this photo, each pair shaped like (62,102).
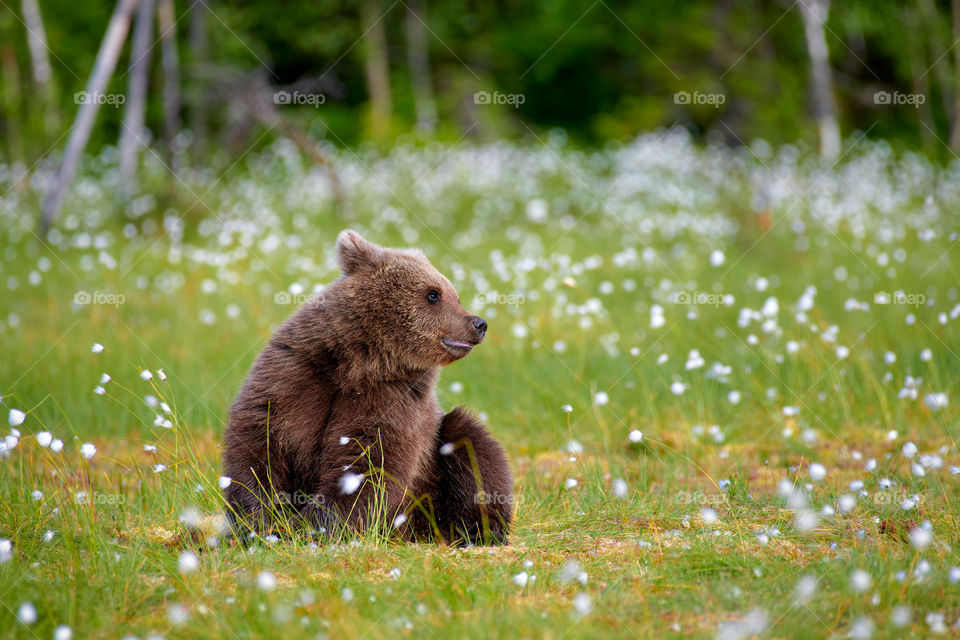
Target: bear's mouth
(458,347)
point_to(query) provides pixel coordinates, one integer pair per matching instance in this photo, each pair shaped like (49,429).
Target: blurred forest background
(210,72)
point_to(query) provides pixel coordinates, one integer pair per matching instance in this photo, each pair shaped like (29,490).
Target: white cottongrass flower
(100,391)
(447,449)
(347,594)
(656,317)
(677,388)
(44,438)
(806,588)
(806,520)
(909,450)
(636,435)
(817,471)
(188,562)
(96,348)
(399,520)
(344,440)
(860,580)
(582,604)
(224,481)
(901,616)
(935,401)
(920,537)
(6,550)
(37,495)
(161,375)
(16,417)
(146,374)
(734,397)
(105,378)
(521,579)
(571,483)
(567,408)
(191,518)
(266,581)
(88,449)
(717,258)
(395,573)
(63,632)
(27,613)
(694,360)
(601,398)
(862,628)
(846,503)
(11,441)
(177,614)
(57,445)
(709,515)
(620,488)
(159,468)
(350,482)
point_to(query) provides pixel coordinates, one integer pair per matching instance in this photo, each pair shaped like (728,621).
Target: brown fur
(361,362)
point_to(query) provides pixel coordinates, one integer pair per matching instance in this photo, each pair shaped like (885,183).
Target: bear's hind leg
(473,491)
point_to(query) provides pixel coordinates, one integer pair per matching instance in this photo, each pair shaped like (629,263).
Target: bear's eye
(433,297)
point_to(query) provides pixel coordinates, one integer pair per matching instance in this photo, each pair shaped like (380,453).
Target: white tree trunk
(814,16)
(103,68)
(418,60)
(37,41)
(377,66)
(171,78)
(132,131)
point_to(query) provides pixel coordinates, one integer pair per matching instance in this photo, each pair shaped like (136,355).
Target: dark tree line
(377,69)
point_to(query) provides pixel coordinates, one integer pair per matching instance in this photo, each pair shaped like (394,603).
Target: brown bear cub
(337,426)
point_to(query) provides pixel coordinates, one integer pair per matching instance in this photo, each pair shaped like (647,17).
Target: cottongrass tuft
(27,613)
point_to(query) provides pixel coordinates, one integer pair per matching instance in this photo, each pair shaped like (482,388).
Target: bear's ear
(354,253)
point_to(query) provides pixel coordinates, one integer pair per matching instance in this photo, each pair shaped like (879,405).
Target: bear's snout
(480,326)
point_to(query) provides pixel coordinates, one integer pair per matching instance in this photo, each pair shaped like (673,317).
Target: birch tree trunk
(198,60)
(37,42)
(171,79)
(40,62)
(418,60)
(814,14)
(103,68)
(132,131)
(955,131)
(377,70)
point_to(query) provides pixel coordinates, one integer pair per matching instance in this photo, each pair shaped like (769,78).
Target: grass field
(725,379)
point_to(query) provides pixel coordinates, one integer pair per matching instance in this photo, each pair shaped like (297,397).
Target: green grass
(652,564)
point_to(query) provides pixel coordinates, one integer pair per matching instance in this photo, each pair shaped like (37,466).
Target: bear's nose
(480,325)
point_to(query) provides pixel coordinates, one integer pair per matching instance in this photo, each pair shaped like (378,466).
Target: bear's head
(404,307)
